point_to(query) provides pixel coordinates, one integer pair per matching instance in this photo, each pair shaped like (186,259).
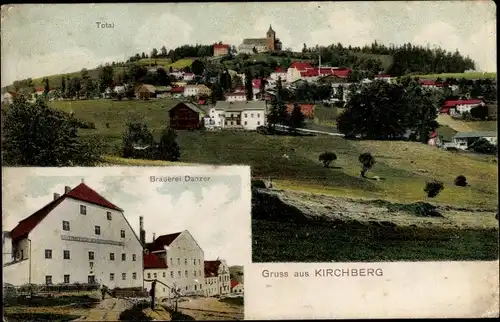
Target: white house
(237,287)
(246,115)
(280,72)
(183,267)
(6,247)
(191,90)
(217,278)
(188,77)
(460,106)
(79,237)
(463,140)
(8,97)
(236,97)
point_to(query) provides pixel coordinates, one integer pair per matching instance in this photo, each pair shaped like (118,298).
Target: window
(91,256)
(172,274)
(66,279)
(22,254)
(164,274)
(48,279)
(133,257)
(111,256)
(258,122)
(154,275)
(245,122)
(122,233)
(149,275)
(179,273)
(171,261)
(124,257)
(178,261)
(97,230)
(251,115)
(198,261)
(194,261)
(186,273)
(48,253)
(124,276)
(194,273)
(66,254)
(258,114)
(186,288)
(134,276)
(111,276)
(246,115)
(195,287)
(185,261)
(83,210)
(108,215)
(65,225)
(200,286)
(199,272)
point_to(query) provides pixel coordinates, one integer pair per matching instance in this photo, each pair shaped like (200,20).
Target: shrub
(107,125)
(452,149)
(483,146)
(433,188)
(367,162)
(461,181)
(327,158)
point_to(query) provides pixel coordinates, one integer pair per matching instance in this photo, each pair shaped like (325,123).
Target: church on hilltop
(261,45)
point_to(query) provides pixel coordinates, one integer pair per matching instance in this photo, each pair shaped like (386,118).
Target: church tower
(271,39)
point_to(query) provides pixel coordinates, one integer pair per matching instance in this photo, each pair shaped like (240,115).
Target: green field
(473,75)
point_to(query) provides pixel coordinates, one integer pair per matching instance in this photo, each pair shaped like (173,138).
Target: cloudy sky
(217,213)
(40,40)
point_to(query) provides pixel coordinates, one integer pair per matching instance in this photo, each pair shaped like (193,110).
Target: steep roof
(452,103)
(191,106)
(179,89)
(148,87)
(211,268)
(162,241)
(255,41)
(220,46)
(234,283)
(81,192)
(300,66)
(280,70)
(240,106)
(151,261)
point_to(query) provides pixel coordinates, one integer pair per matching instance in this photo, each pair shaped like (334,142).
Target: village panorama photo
(125,243)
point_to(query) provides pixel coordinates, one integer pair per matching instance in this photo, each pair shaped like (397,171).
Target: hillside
(236,273)
(387,60)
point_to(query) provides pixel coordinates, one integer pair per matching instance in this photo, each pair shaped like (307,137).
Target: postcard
(368,130)
(115,243)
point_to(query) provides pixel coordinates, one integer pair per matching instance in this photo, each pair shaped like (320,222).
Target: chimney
(154,237)
(56,196)
(67,189)
(142,233)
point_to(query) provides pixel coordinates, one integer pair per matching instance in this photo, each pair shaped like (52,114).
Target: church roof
(270,29)
(255,41)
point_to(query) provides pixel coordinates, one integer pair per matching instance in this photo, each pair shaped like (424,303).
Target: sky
(216,213)
(46,39)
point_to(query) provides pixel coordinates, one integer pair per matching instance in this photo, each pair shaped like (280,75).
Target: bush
(136,313)
(461,181)
(327,158)
(452,149)
(483,146)
(367,162)
(433,188)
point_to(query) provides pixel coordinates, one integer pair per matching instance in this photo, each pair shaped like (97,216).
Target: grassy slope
(470,126)
(474,75)
(401,163)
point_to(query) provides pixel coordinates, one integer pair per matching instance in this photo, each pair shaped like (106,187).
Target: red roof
(234,283)
(211,268)
(162,241)
(280,70)
(453,103)
(201,102)
(307,109)
(151,261)
(221,46)
(81,192)
(325,71)
(433,134)
(300,66)
(177,89)
(256,83)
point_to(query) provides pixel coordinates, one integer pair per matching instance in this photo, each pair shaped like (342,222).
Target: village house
(197,90)
(221,50)
(163,91)
(178,262)
(279,73)
(237,287)
(251,46)
(186,116)
(246,115)
(187,77)
(463,140)
(177,74)
(460,106)
(8,97)
(177,92)
(305,71)
(79,237)
(235,97)
(385,77)
(217,278)
(145,92)
(435,140)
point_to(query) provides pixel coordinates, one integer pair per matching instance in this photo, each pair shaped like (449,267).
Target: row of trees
(139,143)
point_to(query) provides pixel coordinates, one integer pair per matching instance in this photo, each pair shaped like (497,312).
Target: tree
(482,145)
(248,85)
(154,53)
(138,141)
(367,162)
(163,52)
(479,112)
(36,135)
(326,158)
(297,119)
(198,67)
(46,87)
(433,188)
(168,149)
(254,50)
(105,78)
(461,181)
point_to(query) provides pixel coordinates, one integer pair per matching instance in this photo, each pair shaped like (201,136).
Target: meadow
(471,75)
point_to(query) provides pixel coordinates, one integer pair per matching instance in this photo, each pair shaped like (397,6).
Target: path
(313,131)
(108,310)
(457,125)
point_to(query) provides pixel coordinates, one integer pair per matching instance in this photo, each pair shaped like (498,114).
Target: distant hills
(236,273)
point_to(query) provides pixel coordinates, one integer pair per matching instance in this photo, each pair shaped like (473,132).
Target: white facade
(185,260)
(96,246)
(461,108)
(245,115)
(236,97)
(188,77)
(461,140)
(7,247)
(217,278)
(251,119)
(191,90)
(7,97)
(238,289)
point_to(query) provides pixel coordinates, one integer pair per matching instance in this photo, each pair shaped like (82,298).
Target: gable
(186,234)
(162,241)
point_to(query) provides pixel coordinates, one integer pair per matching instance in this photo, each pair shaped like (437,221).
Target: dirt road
(107,310)
(209,308)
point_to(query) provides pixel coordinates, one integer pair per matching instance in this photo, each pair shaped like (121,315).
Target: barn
(186,116)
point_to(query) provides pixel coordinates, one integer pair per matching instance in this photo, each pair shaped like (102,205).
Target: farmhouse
(217,278)
(177,92)
(8,97)
(235,97)
(79,237)
(246,115)
(463,140)
(221,50)
(186,116)
(279,73)
(145,92)
(176,260)
(460,106)
(236,287)
(261,45)
(197,90)
(187,77)
(163,91)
